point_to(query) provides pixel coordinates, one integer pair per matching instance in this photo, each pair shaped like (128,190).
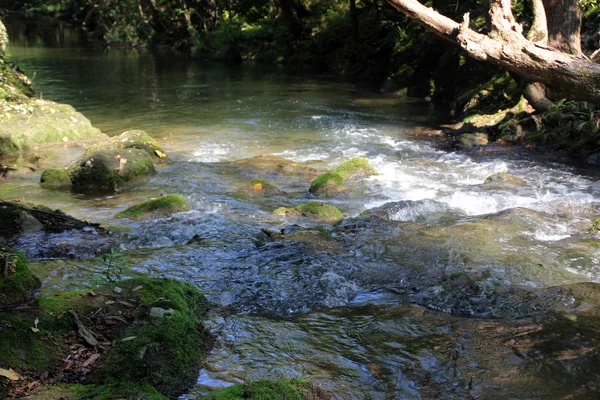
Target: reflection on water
(435,237)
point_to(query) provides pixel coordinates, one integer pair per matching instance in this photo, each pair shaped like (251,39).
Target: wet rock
(55,178)
(472,141)
(410,210)
(316,210)
(161,206)
(134,139)
(17,282)
(262,186)
(502,178)
(111,170)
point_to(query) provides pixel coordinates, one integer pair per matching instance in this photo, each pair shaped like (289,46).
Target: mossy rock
(159,358)
(355,168)
(161,206)
(471,141)
(55,178)
(503,178)
(317,210)
(134,139)
(111,170)
(31,123)
(328,184)
(17,282)
(293,389)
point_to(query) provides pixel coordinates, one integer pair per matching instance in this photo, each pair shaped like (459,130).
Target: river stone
(111,170)
(159,312)
(134,139)
(502,178)
(471,141)
(328,184)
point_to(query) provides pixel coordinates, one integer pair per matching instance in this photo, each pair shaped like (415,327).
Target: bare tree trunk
(506,46)
(564,25)
(287,9)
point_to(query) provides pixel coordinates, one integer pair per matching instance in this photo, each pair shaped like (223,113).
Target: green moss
(168,352)
(55,178)
(164,205)
(19,283)
(356,167)
(327,184)
(313,209)
(294,389)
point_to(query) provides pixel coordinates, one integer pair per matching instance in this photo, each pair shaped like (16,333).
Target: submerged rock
(111,170)
(17,282)
(502,178)
(276,164)
(161,206)
(471,141)
(317,210)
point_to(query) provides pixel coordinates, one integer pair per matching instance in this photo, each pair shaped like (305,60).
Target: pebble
(117,289)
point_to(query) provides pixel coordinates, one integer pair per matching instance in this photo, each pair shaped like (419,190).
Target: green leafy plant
(113,264)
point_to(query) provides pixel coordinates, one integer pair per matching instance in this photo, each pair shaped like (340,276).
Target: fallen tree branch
(82,331)
(506,47)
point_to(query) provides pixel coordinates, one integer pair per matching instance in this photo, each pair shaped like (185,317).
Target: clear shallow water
(438,220)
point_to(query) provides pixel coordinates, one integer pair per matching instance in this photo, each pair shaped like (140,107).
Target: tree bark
(287,9)
(564,25)
(506,46)
(354,22)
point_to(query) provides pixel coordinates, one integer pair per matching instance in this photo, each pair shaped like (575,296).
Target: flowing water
(433,286)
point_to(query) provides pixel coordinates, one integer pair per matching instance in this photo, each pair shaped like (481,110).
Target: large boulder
(111,170)
(332,183)
(314,209)
(134,139)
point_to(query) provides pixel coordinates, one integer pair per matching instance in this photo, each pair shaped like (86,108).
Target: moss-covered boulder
(503,178)
(293,389)
(327,184)
(134,139)
(17,282)
(314,209)
(111,170)
(55,178)
(31,123)
(161,206)
(355,168)
(137,355)
(332,183)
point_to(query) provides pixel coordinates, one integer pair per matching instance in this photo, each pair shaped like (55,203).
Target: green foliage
(113,265)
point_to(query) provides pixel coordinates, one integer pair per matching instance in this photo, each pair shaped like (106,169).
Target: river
(435,285)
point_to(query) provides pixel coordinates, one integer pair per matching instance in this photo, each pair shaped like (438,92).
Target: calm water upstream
(417,292)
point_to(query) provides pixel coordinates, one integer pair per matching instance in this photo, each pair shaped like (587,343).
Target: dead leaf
(12,270)
(57,294)
(258,187)
(34,330)
(62,314)
(9,373)
(160,154)
(44,375)
(128,339)
(109,302)
(135,289)
(126,303)
(93,293)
